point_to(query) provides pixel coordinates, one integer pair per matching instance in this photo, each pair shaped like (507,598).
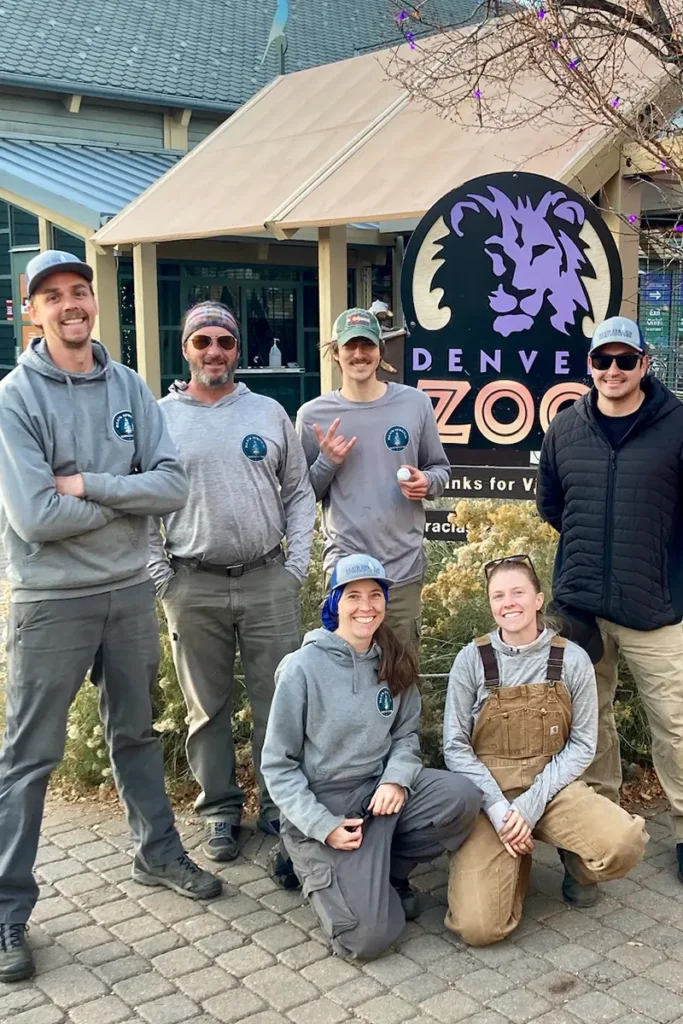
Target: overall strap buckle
(489,661)
(555,661)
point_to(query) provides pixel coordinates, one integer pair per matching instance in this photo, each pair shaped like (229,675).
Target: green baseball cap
(356,323)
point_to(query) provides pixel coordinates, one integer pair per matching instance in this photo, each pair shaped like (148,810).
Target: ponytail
(398,666)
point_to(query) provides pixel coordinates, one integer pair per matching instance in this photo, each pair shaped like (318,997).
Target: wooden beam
(38,210)
(176,123)
(333,297)
(106,286)
(147,343)
(72,102)
(45,235)
(621,201)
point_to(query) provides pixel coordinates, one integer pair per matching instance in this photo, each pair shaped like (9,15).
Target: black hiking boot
(16,958)
(407,895)
(182,875)
(576,893)
(281,869)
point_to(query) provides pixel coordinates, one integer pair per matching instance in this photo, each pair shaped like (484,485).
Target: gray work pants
(208,615)
(51,645)
(349,890)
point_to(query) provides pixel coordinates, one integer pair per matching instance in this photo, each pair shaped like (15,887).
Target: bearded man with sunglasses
(222,575)
(611,482)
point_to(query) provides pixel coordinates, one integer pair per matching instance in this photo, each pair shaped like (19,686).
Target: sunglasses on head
(625,360)
(512,559)
(203,341)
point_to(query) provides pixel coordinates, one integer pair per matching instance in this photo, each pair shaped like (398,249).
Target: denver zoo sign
(503,283)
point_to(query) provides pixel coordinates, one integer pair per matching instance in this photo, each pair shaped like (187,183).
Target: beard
(207,381)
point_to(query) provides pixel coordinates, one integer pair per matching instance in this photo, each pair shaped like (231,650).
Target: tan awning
(342,144)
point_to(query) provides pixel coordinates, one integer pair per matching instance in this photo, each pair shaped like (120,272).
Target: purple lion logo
(539,253)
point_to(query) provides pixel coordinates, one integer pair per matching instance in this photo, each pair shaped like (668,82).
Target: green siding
(200,127)
(95,123)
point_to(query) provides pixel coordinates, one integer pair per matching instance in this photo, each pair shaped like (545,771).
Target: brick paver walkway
(109,951)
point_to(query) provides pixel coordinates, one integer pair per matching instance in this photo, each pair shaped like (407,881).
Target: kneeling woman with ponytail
(521,722)
(341,760)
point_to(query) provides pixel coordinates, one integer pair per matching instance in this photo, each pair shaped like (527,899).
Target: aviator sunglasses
(625,361)
(203,341)
(490,566)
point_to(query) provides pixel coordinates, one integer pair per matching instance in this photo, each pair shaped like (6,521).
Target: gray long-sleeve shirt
(467,695)
(363,506)
(249,484)
(331,718)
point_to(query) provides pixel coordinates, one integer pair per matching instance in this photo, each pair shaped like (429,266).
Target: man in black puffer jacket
(611,482)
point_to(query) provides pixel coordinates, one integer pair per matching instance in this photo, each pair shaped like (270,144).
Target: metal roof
(204,54)
(88,184)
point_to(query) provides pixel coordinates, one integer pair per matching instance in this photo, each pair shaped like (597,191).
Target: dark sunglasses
(625,361)
(203,341)
(513,559)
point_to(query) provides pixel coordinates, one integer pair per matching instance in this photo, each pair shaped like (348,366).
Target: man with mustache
(85,458)
(385,428)
(223,576)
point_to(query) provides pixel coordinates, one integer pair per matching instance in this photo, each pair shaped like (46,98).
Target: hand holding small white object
(415,485)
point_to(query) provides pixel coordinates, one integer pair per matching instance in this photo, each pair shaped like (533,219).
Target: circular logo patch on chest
(254,447)
(124,425)
(396,439)
(385,702)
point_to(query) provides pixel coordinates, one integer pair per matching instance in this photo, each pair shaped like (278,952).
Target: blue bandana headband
(330,612)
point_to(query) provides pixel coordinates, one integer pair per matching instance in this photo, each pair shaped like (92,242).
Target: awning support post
(106,287)
(147,343)
(333,292)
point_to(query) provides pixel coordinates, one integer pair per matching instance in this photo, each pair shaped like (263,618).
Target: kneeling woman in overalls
(341,761)
(521,722)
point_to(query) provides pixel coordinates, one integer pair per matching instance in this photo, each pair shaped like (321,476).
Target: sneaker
(577,894)
(281,870)
(182,875)
(408,897)
(16,958)
(221,841)
(270,826)
(679,854)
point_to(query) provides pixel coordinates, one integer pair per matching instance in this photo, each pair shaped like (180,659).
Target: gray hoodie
(106,425)
(467,695)
(332,719)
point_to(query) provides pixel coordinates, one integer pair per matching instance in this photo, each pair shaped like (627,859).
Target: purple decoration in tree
(402,16)
(541,14)
(632,218)
(679,227)
(410,39)
(615,102)
(573,64)
(477,94)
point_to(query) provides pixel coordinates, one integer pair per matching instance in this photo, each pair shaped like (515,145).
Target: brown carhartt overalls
(518,732)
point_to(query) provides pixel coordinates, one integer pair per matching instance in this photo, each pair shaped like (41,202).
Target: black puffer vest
(618,511)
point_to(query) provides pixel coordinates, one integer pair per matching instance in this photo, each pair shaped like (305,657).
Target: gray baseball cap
(619,329)
(54,261)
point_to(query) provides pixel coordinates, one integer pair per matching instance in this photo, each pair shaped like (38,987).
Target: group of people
(212,493)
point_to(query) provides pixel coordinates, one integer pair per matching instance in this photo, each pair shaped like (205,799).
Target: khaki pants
(208,616)
(487,886)
(404,613)
(656,660)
